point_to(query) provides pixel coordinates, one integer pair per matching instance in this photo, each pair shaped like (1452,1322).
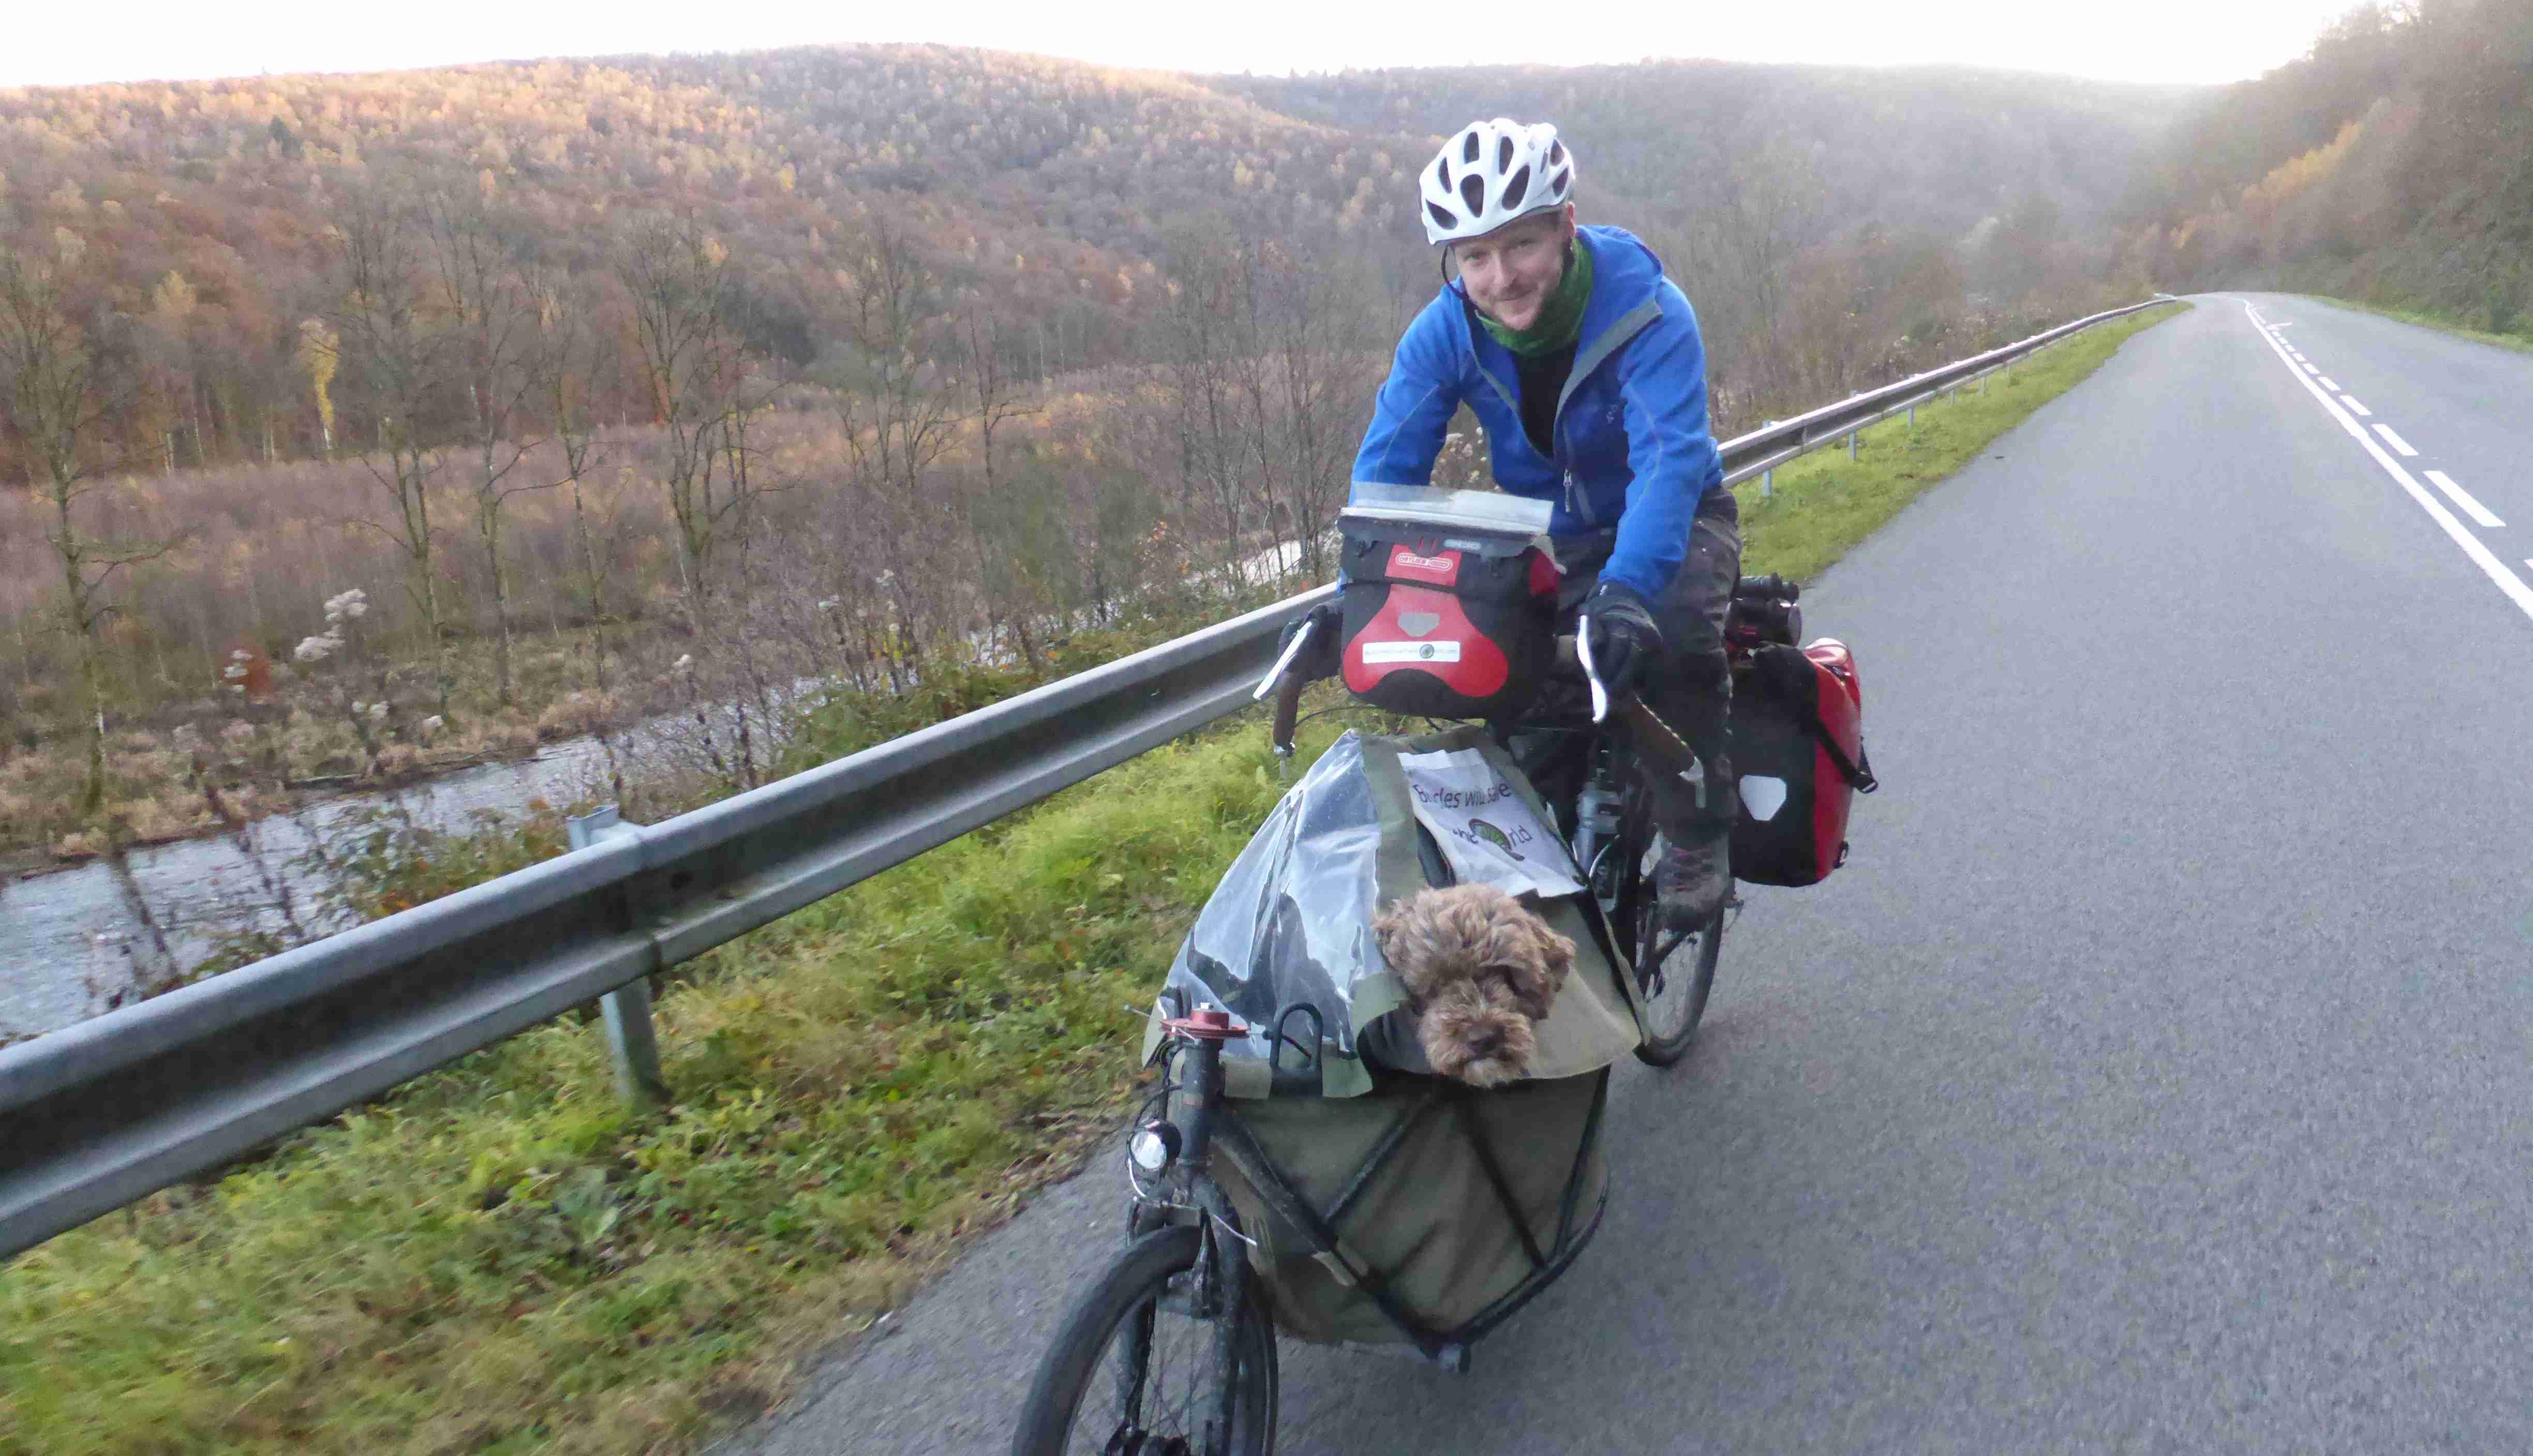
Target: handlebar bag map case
(1370,1174)
(1798,744)
(1447,612)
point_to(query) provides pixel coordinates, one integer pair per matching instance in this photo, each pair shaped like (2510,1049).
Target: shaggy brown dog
(1479,970)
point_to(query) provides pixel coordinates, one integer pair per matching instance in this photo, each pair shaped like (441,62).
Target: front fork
(1215,1289)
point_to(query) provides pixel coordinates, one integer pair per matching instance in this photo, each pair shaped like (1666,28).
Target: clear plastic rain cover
(1291,922)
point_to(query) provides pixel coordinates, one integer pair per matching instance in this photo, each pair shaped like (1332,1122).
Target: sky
(2151,40)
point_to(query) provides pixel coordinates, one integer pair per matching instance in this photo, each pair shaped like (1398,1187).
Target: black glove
(1322,656)
(1625,643)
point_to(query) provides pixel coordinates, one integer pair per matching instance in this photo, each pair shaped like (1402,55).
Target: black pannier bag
(1449,605)
(1797,744)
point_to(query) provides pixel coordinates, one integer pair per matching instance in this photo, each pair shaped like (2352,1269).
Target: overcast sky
(51,43)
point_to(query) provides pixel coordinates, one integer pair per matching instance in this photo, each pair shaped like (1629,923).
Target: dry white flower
(316,649)
(683,662)
(378,710)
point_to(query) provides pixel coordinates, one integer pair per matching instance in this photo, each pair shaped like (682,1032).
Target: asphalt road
(2154,1077)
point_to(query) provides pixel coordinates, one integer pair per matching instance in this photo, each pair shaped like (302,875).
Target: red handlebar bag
(1446,624)
(1797,746)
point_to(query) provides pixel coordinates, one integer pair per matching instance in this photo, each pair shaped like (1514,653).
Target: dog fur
(1479,971)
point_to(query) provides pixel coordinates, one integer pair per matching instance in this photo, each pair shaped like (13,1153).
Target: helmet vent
(1516,189)
(1555,154)
(1473,191)
(1442,217)
(1556,184)
(1469,146)
(1503,152)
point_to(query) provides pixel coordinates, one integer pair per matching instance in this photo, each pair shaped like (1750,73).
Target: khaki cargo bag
(1386,1203)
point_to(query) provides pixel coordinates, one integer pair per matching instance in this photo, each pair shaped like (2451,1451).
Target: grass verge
(503,1257)
(1824,503)
(2520,343)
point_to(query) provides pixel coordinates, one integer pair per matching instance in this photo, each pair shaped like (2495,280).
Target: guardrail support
(1851,444)
(631,1042)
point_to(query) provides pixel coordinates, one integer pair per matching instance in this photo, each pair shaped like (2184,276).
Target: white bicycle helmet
(1490,173)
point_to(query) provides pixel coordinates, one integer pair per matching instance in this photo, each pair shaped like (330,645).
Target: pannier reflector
(1762,796)
(1410,651)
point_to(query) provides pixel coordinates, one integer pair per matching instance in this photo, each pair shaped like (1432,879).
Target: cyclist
(1583,365)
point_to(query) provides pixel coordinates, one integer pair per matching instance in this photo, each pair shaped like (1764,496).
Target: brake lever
(1591,670)
(1292,650)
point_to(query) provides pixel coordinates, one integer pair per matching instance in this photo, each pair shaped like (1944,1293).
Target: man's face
(1511,271)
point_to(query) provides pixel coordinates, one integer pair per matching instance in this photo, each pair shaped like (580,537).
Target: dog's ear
(1550,960)
(1396,931)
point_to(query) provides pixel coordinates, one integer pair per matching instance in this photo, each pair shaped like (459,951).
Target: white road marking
(2313,369)
(2396,442)
(2462,498)
(2327,384)
(2481,555)
(2354,407)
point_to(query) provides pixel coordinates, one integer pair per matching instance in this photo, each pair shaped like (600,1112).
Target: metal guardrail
(103,1112)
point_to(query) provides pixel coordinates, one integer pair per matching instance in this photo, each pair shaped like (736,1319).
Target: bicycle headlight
(1154,1146)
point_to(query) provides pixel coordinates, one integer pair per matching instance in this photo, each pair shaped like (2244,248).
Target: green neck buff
(1560,318)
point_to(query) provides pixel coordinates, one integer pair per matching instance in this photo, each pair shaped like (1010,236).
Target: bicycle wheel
(1674,971)
(1133,1369)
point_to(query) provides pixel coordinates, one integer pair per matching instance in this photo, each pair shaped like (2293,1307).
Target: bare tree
(898,412)
(496,321)
(396,346)
(682,289)
(987,375)
(573,357)
(66,370)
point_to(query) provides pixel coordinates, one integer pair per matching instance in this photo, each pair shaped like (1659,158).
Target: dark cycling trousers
(1692,689)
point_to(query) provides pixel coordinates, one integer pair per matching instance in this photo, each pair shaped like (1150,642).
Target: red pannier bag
(1797,744)
(1445,622)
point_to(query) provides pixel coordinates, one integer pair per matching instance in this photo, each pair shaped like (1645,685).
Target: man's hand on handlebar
(1625,643)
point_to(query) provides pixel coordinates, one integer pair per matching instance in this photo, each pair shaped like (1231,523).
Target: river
(69,939)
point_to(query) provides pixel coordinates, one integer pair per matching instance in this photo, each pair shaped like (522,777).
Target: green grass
(1824,503)
(504,1257)
(2520,343)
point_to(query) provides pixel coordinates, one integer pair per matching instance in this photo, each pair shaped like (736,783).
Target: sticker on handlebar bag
(1443,568)
(1410,651)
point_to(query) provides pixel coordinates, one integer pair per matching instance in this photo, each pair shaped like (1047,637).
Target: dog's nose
(1487,1041)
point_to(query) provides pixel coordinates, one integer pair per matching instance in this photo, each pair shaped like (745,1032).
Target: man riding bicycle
(1583,365)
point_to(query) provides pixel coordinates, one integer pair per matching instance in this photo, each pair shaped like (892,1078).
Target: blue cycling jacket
(1633,448)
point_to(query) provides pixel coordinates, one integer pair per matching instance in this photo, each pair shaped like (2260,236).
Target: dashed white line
(2327,384)
(2354,407)
(2463,499)
(2396,442)
(2481,555)
(2313,369)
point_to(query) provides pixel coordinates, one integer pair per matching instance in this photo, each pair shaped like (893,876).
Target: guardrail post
(1851,444)
(631,1044)
(1767,484)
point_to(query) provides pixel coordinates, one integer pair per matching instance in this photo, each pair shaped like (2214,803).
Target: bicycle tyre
(1129,1288)
(1685,1004)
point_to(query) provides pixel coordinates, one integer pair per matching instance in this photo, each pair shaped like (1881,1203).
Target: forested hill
(1938,148)
(2393,163)
(1048,192)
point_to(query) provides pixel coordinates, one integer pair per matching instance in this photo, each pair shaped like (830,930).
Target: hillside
(1047,188)
(2392,164)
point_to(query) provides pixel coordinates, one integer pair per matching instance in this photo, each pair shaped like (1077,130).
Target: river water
(68,939)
